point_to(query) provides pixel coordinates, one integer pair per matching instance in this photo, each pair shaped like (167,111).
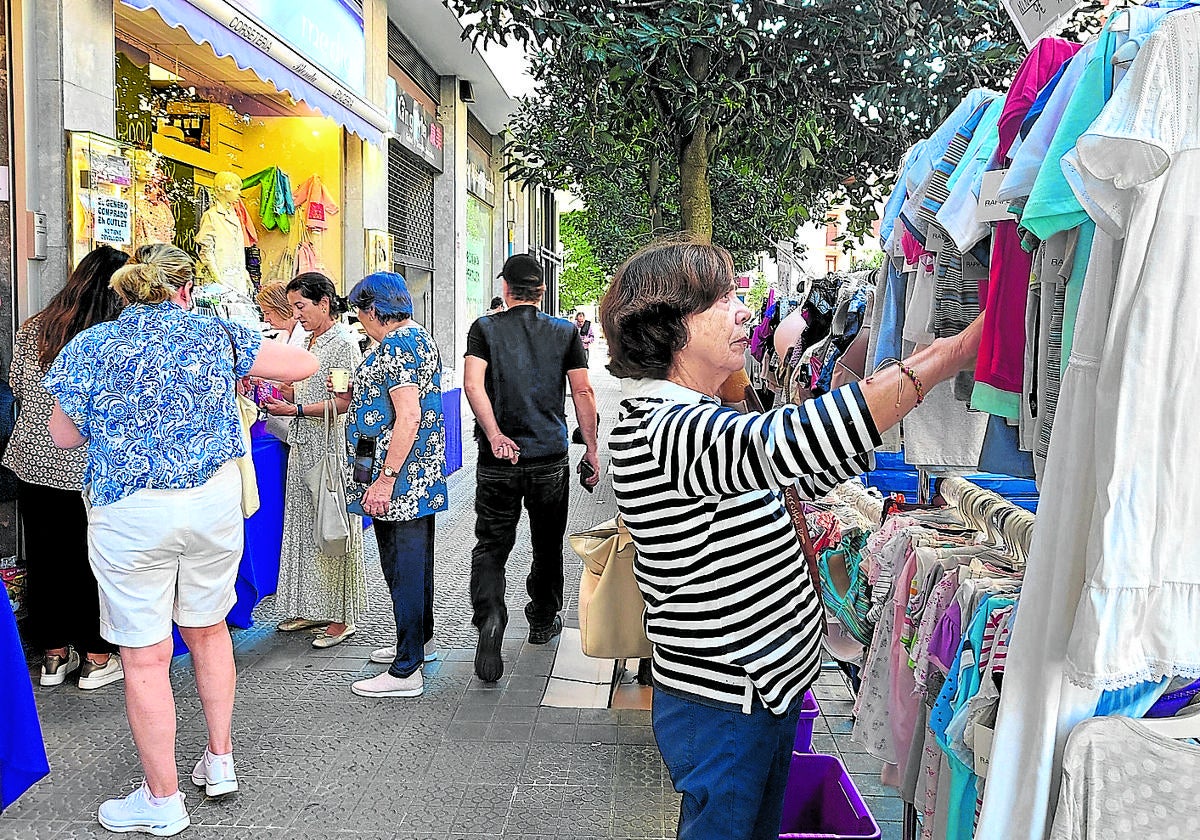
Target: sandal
(294,624)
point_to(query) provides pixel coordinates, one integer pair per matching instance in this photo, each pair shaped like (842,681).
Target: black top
(528,354)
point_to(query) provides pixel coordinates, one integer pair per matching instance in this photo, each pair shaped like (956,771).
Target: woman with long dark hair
(64,608)
(316,590)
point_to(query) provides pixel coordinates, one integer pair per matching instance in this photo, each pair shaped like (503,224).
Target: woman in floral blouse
(64,605)
(398,398)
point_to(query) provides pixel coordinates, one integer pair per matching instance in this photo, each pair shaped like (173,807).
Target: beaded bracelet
(918,385)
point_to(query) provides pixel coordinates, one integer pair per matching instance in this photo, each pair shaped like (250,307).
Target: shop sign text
(114,223)
(415,127)
(328,32)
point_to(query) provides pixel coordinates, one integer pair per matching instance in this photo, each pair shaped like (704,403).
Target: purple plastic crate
(822,802)
(809,712)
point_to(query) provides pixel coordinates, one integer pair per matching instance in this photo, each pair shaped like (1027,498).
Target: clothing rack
(989,513)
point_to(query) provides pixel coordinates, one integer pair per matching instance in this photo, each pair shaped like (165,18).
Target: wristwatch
(388,472)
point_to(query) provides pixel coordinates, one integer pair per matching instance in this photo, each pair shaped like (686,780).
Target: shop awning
(255,49)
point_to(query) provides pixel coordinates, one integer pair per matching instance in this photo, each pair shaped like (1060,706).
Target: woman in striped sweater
(729,607)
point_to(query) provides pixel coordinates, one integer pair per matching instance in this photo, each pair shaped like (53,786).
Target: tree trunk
(695,201)
(653,189)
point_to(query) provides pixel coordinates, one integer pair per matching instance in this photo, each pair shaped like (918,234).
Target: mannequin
(221,238)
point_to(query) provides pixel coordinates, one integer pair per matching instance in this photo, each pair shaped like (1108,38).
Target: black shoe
(489,667)
(543,634)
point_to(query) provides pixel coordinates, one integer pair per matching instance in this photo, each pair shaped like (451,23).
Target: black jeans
(63,597)
(499,493)
(406,554)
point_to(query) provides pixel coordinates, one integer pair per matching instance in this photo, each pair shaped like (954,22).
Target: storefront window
(479,256)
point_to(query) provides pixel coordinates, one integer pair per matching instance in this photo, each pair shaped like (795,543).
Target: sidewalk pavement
(465,760)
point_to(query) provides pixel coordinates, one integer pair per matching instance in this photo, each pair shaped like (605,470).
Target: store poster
(113,220)
(479,255)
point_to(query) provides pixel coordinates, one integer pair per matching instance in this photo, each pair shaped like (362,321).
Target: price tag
(973,269)
(991,208)
(935,240)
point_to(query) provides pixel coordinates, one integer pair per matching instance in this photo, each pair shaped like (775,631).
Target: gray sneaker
(93,676)
(56,668)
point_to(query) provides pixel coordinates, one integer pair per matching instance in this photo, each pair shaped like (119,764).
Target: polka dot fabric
(1122,780)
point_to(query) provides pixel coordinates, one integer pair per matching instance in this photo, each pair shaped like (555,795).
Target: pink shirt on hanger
(1001,362)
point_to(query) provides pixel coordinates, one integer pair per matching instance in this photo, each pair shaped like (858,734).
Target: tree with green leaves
(802,103)
(582,280)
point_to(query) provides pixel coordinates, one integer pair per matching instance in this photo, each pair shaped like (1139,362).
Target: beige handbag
(325,480)
(248,414)
(611,607)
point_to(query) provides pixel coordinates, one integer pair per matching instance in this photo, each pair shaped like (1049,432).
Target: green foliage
(757,295)
(801,103)
(867,261)
(582,280)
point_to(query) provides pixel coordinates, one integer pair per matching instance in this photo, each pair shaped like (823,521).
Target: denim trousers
(406,554)
(731,768)
(543,488)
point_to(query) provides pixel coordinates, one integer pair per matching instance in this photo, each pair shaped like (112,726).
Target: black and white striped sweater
(729,606)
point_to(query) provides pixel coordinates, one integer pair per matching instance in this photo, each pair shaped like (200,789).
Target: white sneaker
(385,685)
(215,774)
(56,668)
(387,655)
(93,676)
(136,812)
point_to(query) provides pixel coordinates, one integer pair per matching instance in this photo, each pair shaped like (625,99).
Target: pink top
(1002,350)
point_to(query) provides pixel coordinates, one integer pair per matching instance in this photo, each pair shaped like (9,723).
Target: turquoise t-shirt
(1053,207)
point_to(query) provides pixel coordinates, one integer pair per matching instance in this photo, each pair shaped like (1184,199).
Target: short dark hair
(314,285)
(644,310)
(523,273)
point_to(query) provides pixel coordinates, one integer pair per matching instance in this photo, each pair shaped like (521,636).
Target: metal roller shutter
(410,208)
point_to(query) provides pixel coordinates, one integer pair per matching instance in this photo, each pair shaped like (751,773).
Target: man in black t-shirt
(516,369)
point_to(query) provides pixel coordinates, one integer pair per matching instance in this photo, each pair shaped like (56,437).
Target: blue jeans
(731,768)
(406,554)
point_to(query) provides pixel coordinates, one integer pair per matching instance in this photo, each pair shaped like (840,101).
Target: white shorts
(163,555)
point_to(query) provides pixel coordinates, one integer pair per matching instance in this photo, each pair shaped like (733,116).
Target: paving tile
(575,694)
(601,733)
(885,809)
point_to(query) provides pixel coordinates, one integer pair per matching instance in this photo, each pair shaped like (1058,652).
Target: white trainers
(387,655)
(215,774)
(136,812)
(56,668)
(385,685)
(93,676)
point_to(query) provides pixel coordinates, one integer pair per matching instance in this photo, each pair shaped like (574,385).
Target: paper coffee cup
(340,378)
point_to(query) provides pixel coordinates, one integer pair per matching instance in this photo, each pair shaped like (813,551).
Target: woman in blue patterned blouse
(397,404)
(152,394)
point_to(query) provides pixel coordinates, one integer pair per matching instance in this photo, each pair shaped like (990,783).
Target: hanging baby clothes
(276,206)
(314,202)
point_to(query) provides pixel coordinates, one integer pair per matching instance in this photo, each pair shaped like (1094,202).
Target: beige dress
(313,585)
